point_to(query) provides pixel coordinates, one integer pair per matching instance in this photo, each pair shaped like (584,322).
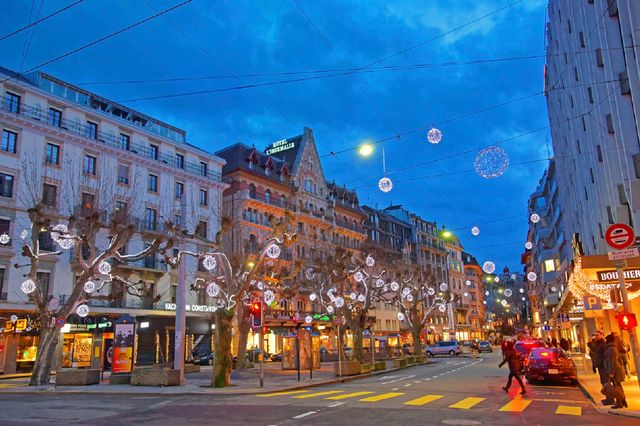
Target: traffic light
(256,314)
(626,320)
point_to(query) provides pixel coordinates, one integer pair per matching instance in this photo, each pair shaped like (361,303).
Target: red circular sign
(620,236)
(60,322)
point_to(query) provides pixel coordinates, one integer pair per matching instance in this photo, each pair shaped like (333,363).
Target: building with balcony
(287,176)
(474,290)
(68,148)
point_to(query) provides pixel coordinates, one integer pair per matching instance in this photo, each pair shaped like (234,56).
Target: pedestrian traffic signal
(256,314)
(626,320)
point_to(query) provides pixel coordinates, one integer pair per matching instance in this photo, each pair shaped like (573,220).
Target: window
(251,165)
(3,294)
(123,174)
(45,241)
(549,265)
(202,229)
(90,165)
(152,183)
(151,219)
(53,154)
(44,279)
(54,117)
(590,94)
(582,43)
(12,102)
(153,151)
(5,224)
(9,139)
(267,196)
(203,197)
(610,128)
(121,210)
(6,185)
(180,161)
(49,194)
(179,190)
(599,57)
(204,168)
(252,190)
(599,152)
(300,306)
(125,142)
(91,130)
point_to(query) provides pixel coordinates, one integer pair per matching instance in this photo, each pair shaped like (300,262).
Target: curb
(53,391)
(602,409)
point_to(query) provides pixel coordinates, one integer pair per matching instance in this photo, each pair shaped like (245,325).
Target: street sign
(624,254)
(620,236)
(546,327)
(592,307)
(564,317)
(338,320)
(60,322)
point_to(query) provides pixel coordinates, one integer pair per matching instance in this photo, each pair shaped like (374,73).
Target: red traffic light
(255,307)
(626,320)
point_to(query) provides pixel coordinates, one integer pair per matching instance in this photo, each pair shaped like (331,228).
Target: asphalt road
(454,391)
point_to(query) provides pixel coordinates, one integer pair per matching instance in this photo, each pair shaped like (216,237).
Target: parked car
(446,347)
(276,357)
(484,346)
(550,363)
(524,347)
(205,358)
(467,343)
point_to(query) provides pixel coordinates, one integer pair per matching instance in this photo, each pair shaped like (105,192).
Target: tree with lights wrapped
(232,283)
(92,257)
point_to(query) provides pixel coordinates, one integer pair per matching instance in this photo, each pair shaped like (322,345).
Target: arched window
(284,305)
(267,196)
(301,306)
(252,190)
(283,200)
(253,244)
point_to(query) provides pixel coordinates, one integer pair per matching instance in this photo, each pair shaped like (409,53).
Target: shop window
(3,293)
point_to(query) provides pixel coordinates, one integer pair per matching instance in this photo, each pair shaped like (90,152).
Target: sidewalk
(590,384)
(243,382)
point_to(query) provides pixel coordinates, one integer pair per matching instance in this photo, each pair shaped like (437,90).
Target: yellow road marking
(348,395)
(467,403)
(311,395)
(382,396)
(423,400)
(516,405)
(265,395)
(569,410)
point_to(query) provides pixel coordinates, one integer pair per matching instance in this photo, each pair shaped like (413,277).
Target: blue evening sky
(217,38)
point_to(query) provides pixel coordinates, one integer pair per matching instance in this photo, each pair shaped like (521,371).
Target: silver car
(446,347)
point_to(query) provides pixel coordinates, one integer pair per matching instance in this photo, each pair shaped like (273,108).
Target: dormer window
(281,177)
(251,165)
(267,171)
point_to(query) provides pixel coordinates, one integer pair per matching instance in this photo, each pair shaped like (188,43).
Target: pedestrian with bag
(615,371)
(513,359)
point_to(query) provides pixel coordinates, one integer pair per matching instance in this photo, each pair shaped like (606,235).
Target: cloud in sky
(258,36)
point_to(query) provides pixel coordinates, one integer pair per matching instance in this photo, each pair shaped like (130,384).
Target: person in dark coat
(592,349)
(513,359)
(615,370)
(564,344)
(554,342)
(598,357)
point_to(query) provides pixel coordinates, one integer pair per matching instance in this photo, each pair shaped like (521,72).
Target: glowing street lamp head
(446,234)
(365,150)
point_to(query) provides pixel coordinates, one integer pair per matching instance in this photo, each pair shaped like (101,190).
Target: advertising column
(123,342)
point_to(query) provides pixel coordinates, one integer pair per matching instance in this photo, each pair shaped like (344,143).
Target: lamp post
(181,301)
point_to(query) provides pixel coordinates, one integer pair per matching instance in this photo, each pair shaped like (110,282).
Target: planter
(366,368)
(422,359)
(155,377)
(77,377)
(411,360)
(379,365)
(399,362)
(191,368)
(120,379)
(349,368)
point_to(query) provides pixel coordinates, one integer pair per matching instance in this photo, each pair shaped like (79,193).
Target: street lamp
(365,149)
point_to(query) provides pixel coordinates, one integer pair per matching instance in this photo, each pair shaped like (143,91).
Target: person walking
(564,344)
(598,357)
(592,348)
(513,359)
(615,371)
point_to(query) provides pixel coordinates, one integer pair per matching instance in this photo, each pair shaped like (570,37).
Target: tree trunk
(243,335)
(357,344)
(417,345)
(222,348)
(47,345)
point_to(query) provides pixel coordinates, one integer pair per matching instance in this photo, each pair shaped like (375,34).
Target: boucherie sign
(608,280)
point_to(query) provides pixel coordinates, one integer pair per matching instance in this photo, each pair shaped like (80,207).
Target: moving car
(550,363)
(523,347)
(203,358)
(484,346)
(446,347)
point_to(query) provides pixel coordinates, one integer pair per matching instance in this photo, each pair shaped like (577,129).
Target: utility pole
(181,300)
(633,338)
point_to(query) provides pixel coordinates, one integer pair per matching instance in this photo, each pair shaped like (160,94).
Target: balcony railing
(110,139)
(273,201)
(351,226)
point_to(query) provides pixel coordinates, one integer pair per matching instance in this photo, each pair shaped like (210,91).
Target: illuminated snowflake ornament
(535,218)
(394,286)
(330,309)
(497,279)
(486,293)
(361,298)
(468,283)
(4,239)
(484,302)
(434,135)
(531,276)
(409,298)
(313,297)
(24,234)
(260,285)
(400,316)
(273,251)
(554,289)
(465,294)
(475,231)
(339,302)
(82,310)
(370,261)
(28,286)
(491,162)
(504,303)
(65,243)
(442,308)
(431,291)
(310,274)
(308,319)
(213,290)
(489,267)
(385,184)
(444,286)
(104,268)
(522,290)
(89,287)
(269,297)
(528,245)
(14,318)
(514,277)
(209,262)
(524,299)
(358,276)
(58,231)
(508,292)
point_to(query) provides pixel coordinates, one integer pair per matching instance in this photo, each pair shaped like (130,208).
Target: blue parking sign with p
(592,303)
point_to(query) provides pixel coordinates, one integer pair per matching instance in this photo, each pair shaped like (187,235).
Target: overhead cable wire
(32,24)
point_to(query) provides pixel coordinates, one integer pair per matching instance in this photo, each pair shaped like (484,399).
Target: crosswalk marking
(382,396)
(516,405)
(265,395)
(12,385)
(569,410)
(311,395)
(423,400)
(467,403)
(348,395)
